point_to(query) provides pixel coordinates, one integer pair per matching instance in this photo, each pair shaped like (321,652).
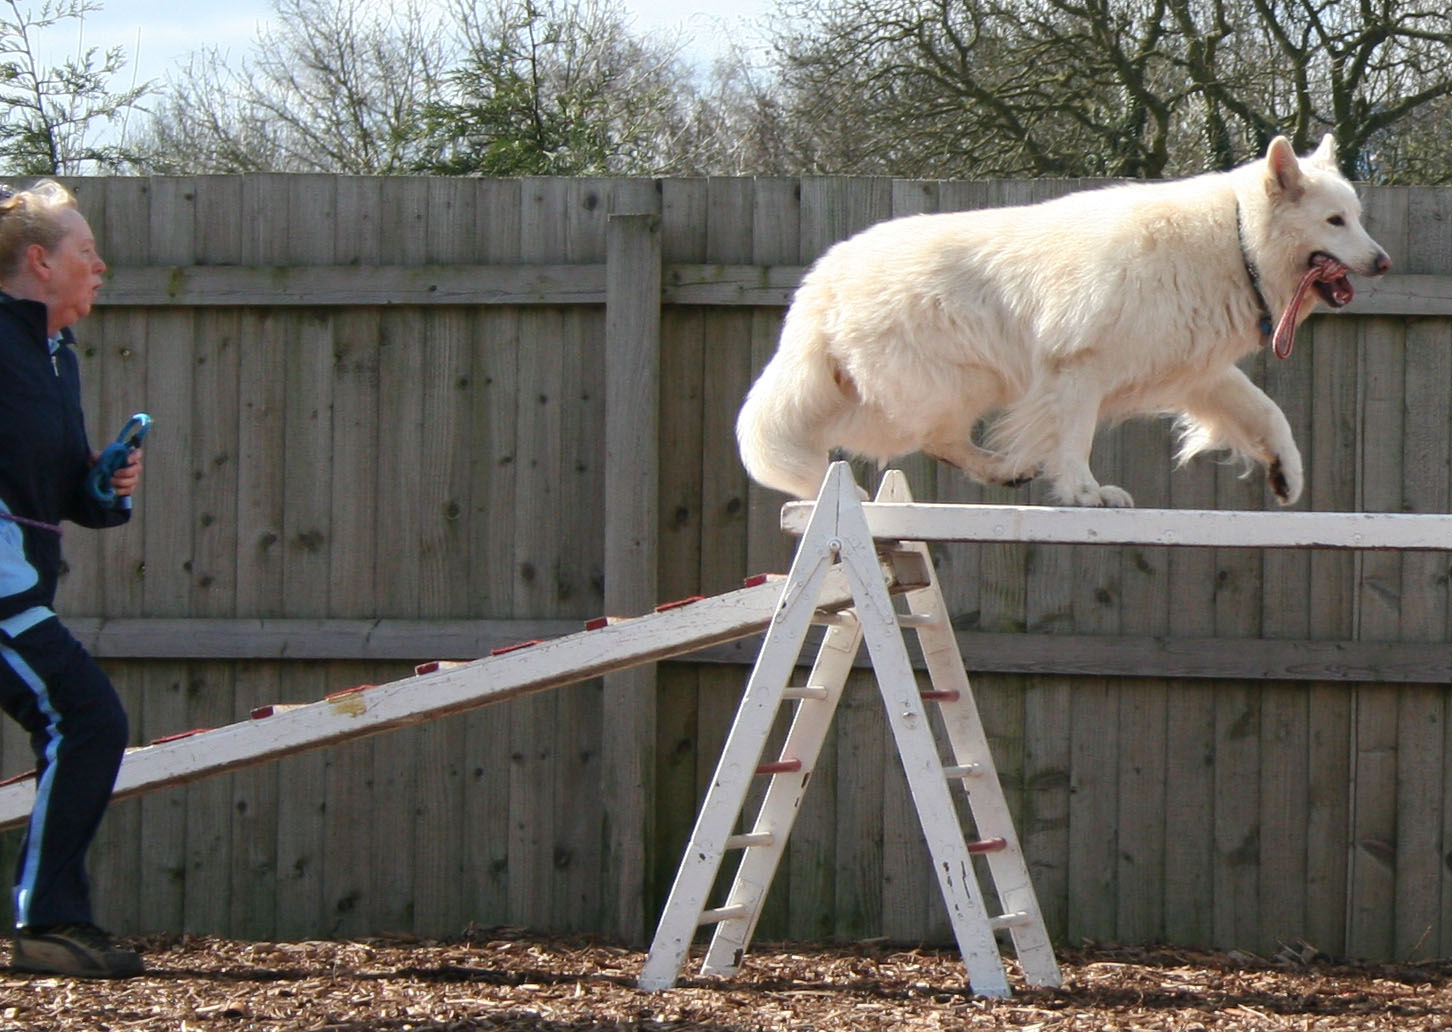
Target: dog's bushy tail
(784,427)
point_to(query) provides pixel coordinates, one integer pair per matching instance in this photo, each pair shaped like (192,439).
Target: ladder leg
(908,720)
(783,799)
(754,718)
(969,743)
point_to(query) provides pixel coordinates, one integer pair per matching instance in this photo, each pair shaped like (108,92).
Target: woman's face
(76,267)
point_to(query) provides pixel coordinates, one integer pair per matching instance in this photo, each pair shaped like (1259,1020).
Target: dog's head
(1315,217)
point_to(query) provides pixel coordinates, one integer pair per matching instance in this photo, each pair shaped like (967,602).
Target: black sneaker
(82,950)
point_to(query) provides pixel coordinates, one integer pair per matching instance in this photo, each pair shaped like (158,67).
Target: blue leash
(116,455)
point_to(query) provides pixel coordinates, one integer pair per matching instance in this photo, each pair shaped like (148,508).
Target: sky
(157,35)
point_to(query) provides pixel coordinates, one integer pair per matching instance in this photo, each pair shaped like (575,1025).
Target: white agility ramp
(440,690)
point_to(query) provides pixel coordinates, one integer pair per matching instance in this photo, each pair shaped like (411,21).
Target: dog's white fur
(1049,320)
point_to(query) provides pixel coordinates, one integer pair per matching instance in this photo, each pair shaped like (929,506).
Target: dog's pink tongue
(1285,336)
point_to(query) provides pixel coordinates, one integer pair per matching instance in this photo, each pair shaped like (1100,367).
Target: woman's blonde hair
(31,216)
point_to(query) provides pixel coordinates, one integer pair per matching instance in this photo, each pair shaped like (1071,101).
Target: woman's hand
(126,479)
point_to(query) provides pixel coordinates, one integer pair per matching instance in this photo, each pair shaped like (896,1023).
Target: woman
(50,272)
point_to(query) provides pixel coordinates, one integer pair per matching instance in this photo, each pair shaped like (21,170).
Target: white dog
(1051,319)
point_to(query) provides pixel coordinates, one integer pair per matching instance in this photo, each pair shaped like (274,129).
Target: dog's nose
(1381,264)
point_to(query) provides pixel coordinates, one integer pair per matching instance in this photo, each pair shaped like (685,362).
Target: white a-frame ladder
(837,543)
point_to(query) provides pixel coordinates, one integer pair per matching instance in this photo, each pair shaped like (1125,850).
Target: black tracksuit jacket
(44,456)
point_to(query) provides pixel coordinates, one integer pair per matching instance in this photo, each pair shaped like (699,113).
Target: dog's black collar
(1267,324)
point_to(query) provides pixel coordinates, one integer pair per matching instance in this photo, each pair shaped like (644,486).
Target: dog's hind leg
(978,462)
(1052,427)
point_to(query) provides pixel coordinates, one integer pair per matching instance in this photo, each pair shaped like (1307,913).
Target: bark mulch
(508,980)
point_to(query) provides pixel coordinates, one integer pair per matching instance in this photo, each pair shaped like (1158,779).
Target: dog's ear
(1325,156)
(1283,170)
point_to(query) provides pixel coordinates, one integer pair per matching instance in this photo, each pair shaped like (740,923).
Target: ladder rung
(720,914)
(779,767)
(966,770)
(746,841)
(822,618)
(988,845)
(944,695)
(916,619)
(1017,919)
(805,691)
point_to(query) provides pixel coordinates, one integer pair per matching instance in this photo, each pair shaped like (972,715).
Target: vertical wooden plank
(1422,877)
(1332,485)
(496,397)
(403,225)
(213,511)
(862,753)
(1372,877)
(442,491)
(1284,803)
(1428,429)
(532,798)
(1238,599)
(632,485)
(1145,603)
(1190,731)
(1043,823)
(357,495)
(580,562)
(1235,880)
(168,541)
(1093,788)
(307,529)
(1419,862)
(1285,723)
(261,428)
(685,748)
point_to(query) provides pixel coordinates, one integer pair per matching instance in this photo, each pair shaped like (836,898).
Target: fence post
(632,480)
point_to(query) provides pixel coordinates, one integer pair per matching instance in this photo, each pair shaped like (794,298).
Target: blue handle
(116,455)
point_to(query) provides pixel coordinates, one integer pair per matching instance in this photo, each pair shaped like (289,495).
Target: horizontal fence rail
(210,286)
(413,641)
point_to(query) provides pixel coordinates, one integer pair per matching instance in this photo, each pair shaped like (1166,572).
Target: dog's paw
(1097,496)
(1285,480)
(1111,497)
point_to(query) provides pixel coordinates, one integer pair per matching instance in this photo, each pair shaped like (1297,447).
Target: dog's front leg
(1231,412)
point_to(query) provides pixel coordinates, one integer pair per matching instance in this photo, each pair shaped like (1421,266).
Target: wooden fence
(397,420)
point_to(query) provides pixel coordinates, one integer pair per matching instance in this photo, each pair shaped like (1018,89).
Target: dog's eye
(1336,220)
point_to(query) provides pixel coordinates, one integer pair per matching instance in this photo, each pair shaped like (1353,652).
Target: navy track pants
(77,727)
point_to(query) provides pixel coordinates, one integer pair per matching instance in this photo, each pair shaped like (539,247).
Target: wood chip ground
(505,980)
